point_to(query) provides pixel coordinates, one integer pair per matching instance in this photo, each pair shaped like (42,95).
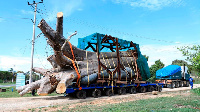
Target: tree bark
(63,72)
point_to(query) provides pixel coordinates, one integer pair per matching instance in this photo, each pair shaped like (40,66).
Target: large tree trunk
(63,72)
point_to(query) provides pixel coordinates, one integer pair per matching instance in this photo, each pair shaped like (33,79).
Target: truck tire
(187,84)
(172,85)
(159,88)
(109,92)
(81,94)
(142,89)
(96,93)
(176,84)
(150,88)
(122,91)
(181,84)
(132,90)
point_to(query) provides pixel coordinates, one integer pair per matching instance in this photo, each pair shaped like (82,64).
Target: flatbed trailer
(97,90)
(119,79)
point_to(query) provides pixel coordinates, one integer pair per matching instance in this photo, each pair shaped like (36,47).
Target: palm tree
(11,70)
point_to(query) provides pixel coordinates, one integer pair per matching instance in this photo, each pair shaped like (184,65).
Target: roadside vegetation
(196,91)
(9,93)
(8,83)
(181,103)
(197,80)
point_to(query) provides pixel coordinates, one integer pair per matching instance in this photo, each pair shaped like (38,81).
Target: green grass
(197,80)
(9,93)
(162,104)
(196,91)
(8,83)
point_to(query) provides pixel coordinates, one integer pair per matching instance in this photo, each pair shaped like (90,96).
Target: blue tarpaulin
(168,70)
(97,37)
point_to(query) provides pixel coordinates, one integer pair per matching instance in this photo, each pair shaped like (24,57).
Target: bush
(197,80)
(152,79)
(197,91)
(1,81)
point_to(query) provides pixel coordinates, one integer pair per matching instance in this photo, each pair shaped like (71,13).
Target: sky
(158,26)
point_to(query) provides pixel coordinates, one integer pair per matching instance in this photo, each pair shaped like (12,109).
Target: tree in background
(181,63)
(5,76)
(12,72)
(35,76)
(193,56)
(158,65)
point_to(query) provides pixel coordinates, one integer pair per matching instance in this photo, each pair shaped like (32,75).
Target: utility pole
(33,39)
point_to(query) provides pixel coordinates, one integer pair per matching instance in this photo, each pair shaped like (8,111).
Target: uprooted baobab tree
(65,57)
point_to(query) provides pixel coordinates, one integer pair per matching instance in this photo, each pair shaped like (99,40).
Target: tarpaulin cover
(93,38)
(96,38)
(168,70)
(143,67)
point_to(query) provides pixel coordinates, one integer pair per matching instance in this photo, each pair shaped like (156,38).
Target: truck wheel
(159,88)
(150,88)
(172,85)
(132,90)
(187,84)
(81,94)
(142,89)
(176,84)
(109,92)
(121,91)
(181,84)
(96,93)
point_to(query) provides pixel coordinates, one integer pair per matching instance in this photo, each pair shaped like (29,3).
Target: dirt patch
(115,100)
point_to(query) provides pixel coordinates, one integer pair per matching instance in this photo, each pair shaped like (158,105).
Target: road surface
(7,85)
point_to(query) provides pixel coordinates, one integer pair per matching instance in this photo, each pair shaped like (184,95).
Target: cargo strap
(78,74)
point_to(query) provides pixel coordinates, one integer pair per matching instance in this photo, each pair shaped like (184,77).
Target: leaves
(158,65)
(193,56)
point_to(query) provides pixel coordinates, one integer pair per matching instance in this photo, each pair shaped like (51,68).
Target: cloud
(22,63)
(177,42)
(67,7)
(166,53)
(151,4)
(27,12)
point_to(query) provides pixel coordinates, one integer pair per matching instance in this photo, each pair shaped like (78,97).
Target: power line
(78,21)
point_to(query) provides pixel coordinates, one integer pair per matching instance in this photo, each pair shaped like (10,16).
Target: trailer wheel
(109,92)
(150,88)
(121,91)
(96,93)
(132,90)
(176,84)
(187,84)
(142,89)
(172,85)
(81,94)
(181,84)
(159,88)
